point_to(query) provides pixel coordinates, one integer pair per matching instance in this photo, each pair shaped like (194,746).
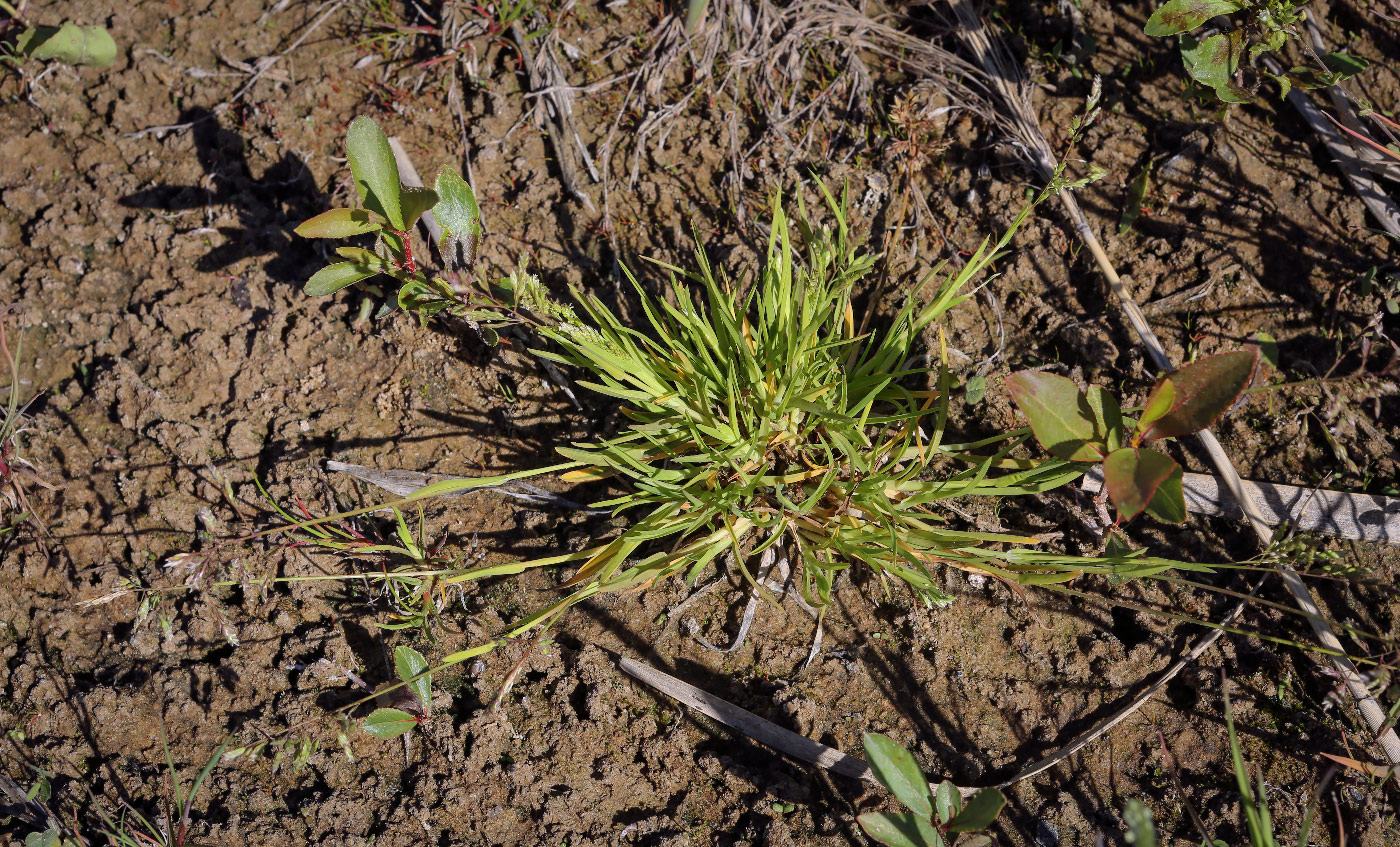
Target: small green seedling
(1228,62)
(1088,426)
(390,211)
(412,669)
(936,817)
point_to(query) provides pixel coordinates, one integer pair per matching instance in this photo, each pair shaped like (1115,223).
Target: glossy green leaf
(947,801)
(1212,61)
(1058,413)
(900,830)
(460,218)
(376,173)
(332,278)
(1169,502)
(76,45)
(1159,402)
(1176,16)
(981,809)
(1132,476)
(48,838)
(389,723)
(1108,416)
(1141,832)
(896,769)
(1345,65)
(361,256)
(1203,390)
(408,664)
(419,297)
(338,223)
(1268,348)
(415,202)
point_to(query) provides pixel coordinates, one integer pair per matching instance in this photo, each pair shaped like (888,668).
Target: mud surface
(164,322)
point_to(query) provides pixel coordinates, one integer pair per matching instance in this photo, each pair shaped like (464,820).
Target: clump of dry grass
(796,71)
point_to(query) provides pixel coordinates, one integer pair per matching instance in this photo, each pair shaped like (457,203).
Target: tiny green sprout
(1088,426)
(936,817)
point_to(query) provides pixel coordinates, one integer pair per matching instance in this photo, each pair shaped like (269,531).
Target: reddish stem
(407,250)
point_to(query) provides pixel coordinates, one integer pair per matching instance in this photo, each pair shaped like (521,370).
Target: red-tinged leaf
(1177,16)
(1059,415)
(901,830)
(338,223)
(1132,476)
(1203,390)
(1169,503)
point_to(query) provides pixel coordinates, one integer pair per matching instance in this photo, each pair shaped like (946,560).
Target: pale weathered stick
(1346,155)
(805,749)
(1006,78)
(766,732)
(404,483)
(1359,517)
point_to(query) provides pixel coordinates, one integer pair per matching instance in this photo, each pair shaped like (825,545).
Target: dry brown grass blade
(1006,77)
(766,732)
(1355,162)
(547,81)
